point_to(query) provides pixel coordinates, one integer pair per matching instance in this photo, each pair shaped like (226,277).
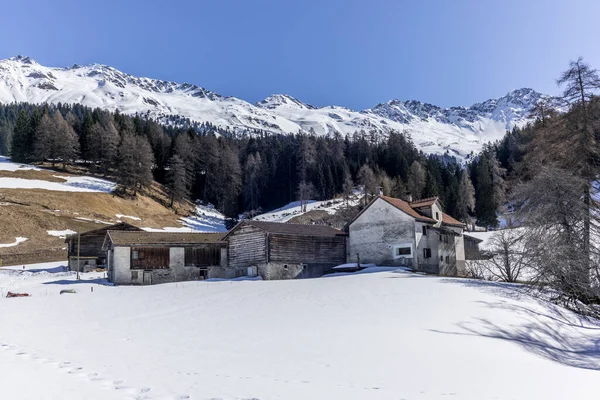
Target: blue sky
(343,52)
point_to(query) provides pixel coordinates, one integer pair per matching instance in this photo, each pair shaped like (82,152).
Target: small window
(442,258)
(424,230)
(437,215)
(135,255)
(403,251)
(285,266)
(447,259)
(427,253)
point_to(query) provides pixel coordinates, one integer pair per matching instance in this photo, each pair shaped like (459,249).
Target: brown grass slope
(31,213)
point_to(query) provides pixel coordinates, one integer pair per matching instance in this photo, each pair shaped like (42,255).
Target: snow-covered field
(380,335)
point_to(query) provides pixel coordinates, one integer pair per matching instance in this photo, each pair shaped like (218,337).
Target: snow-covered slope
(457,130)
(379,335)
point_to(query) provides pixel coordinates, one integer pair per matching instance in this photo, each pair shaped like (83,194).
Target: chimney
(379,191)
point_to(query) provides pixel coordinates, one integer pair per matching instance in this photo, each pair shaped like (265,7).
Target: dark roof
(125,238)
(121,226)
(291,229)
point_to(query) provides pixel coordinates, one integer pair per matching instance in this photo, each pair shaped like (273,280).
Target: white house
(391,231)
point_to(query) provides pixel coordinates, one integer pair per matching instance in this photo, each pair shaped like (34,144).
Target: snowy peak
(276,101)
(457,131)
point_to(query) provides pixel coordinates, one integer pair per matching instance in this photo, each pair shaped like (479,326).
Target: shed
(147,258)
(90,246)
(472,251)
(285,251)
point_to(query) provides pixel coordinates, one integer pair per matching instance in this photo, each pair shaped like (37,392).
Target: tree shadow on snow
(541,328)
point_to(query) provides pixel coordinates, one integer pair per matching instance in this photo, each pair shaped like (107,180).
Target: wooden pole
(78,245)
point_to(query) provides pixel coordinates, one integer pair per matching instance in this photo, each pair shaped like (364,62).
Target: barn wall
(282,270)
(376,231)
(119,260)
(306,249)
(247,246)
(86,264)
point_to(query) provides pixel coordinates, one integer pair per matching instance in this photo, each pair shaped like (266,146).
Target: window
(442,258)
(427,253)
(424,230)
(447,259)
(285,266)
(437,215)
(403,250)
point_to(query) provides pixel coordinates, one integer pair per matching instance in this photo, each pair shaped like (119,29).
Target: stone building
(285,251)
(391,231)
(146,258)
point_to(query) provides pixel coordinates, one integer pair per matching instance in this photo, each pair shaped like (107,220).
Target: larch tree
(177,180)
(366,178)
(134,163)
(416,179)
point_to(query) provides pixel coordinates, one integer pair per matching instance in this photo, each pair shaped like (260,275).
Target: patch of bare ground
(31,213)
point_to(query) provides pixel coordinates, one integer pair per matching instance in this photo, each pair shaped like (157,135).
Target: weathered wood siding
(89,246)
(307,249)
(247,246)
(91,243)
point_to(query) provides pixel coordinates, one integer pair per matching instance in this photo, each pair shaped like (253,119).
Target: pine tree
(485,206)
(20,151)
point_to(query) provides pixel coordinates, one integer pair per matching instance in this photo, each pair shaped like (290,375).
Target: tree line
(243,173)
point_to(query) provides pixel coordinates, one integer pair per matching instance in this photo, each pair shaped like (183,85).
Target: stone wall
(374,234)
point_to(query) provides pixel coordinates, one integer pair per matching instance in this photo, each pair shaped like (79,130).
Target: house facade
(84,251)
(146,258)
(391,231)
(274,250)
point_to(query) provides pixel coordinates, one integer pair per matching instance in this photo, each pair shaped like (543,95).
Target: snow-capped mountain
(456,130)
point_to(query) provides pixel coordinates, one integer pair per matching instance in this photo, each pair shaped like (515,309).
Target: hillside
(436,130)
(382,335)
(39,207)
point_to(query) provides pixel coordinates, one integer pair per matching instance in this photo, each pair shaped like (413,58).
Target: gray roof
(292,229)
(126,238)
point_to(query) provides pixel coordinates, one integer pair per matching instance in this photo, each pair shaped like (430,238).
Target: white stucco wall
(121,265)
(376,231)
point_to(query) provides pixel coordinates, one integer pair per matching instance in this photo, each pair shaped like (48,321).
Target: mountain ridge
(458,131)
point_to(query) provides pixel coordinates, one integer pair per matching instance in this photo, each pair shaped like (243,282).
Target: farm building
(472,250)
(285,251)
(146,258)
(391,231)
(90,246)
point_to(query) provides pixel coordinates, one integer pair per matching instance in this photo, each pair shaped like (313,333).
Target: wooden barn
(146,258)
(90,246)
(285,251)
